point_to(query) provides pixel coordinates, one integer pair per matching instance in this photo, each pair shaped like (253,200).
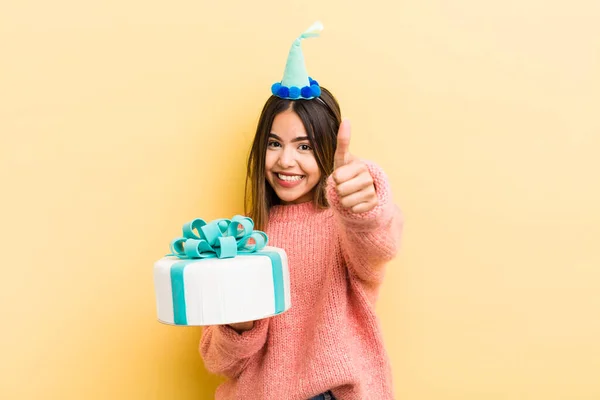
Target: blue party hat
(296,84)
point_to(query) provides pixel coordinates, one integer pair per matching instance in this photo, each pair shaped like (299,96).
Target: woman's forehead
(288,126)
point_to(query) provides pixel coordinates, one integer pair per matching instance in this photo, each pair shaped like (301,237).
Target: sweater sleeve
(226,352)
(369,239)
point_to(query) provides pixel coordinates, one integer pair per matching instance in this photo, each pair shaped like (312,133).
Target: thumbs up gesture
(354,183)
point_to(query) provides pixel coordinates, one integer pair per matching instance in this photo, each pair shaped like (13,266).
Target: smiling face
(290,165)
(319,119)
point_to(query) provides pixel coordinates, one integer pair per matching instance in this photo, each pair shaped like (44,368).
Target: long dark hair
(321,118)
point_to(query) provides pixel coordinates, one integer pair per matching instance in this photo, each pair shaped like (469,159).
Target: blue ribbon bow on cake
(221,238)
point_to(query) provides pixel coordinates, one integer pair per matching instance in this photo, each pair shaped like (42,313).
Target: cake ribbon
(221,238)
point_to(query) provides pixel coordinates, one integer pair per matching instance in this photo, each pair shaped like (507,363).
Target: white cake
(214,291)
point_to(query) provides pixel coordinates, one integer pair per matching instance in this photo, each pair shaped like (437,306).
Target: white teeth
(289,178)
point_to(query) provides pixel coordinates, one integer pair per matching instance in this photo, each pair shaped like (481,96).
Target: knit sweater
(330,338)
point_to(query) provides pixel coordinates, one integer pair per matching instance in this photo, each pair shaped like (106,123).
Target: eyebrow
(297,139)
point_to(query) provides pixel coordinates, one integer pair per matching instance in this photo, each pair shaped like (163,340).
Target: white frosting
(222,291)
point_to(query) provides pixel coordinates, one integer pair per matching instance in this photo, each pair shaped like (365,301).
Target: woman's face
(290,165)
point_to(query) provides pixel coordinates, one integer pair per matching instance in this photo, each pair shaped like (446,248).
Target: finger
(342,150)
(242,326)
(364,207)
(349,171)
(355,198)
(360,182)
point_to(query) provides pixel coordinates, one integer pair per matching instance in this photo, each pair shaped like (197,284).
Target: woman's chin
(294,195)
(288,199)
(303,198)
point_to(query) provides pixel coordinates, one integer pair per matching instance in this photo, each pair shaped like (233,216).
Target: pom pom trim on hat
(295,93)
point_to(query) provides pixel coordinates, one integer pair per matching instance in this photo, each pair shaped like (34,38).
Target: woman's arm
(369,239)
(226,352)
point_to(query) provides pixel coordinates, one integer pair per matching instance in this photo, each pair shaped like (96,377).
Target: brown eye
(305,147)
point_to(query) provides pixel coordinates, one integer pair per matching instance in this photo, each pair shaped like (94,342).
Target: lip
(286,173)
(287,184)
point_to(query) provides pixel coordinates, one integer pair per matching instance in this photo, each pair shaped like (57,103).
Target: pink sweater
(330,338)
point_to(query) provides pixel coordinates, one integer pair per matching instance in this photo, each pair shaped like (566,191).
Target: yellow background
(120,120)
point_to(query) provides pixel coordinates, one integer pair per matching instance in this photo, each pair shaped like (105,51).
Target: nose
(287,158)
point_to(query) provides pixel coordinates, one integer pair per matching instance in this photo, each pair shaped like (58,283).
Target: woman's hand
(354,183)
(242,326)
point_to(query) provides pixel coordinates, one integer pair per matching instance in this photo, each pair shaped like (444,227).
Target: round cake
(219,273)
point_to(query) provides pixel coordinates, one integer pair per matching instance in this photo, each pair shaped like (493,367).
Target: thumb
(342,152)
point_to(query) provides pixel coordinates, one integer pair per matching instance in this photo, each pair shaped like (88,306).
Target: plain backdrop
(121,120)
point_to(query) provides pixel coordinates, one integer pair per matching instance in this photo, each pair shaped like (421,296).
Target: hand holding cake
(354,183)
(242,326)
